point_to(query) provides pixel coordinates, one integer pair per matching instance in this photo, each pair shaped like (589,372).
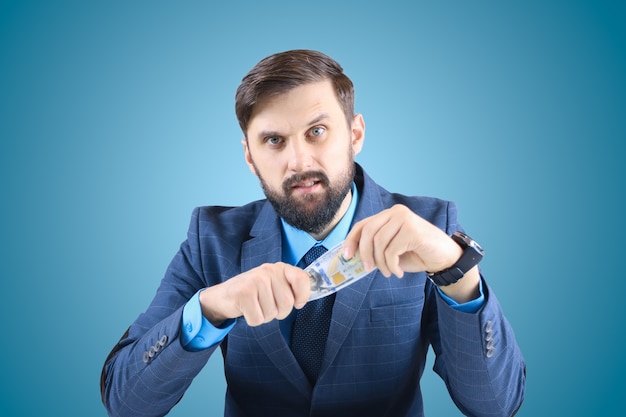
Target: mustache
(318,176)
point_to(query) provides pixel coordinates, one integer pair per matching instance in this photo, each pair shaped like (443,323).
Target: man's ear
(358,133)
(247,156)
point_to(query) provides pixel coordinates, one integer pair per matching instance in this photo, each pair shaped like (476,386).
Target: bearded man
(237,283)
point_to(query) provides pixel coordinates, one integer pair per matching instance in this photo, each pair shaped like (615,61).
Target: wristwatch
(472,254)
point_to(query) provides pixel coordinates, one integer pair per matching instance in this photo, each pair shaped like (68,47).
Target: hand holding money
(397,240)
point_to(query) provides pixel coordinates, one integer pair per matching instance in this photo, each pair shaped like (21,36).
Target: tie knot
(313,253)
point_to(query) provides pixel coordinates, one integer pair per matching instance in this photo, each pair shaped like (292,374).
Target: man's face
(302,149)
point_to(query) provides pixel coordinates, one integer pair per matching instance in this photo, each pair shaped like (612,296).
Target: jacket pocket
(404,312)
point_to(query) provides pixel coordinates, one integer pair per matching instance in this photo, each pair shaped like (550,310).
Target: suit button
(489,326)
(490,348)
(163,340)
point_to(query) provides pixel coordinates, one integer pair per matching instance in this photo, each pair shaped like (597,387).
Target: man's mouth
(305,185)
(308,183)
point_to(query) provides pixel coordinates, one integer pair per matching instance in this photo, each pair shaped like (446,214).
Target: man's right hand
(260,295)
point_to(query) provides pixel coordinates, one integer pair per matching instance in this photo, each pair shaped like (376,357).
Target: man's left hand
(397,240)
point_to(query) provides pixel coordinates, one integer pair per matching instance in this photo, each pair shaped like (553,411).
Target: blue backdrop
(116,119)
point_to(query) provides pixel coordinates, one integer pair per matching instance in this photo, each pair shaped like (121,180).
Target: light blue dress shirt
(198,333)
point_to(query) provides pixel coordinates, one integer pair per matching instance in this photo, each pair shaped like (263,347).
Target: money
(331,272)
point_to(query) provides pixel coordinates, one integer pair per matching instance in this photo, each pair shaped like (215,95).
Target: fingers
(260,295)
(362,238)
(383,240)
(371,237)
(291,288)
(300,286)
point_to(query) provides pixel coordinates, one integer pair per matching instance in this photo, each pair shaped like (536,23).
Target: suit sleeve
(477,355)
(148,370)
(479,360)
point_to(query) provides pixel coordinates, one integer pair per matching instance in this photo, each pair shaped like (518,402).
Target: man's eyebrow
(319,118)
(268,134)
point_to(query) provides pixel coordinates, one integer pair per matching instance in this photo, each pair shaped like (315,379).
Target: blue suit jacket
(376,349)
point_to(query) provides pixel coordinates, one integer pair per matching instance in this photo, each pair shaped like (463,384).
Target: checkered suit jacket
(376,349)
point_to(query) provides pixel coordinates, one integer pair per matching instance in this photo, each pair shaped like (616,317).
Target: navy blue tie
(310,328)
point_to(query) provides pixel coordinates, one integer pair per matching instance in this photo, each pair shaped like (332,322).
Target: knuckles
(266,293)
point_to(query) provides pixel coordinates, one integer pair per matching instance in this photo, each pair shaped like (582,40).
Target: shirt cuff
(197,332)
(469,307)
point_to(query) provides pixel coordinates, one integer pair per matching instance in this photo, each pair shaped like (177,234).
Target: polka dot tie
(310,328)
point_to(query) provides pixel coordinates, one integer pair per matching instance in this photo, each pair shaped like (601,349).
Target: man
(237,282)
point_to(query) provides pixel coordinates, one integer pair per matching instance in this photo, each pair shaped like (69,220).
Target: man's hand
(267,292)
(397,240)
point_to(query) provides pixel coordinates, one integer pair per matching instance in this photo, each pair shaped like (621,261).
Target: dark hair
(284,71)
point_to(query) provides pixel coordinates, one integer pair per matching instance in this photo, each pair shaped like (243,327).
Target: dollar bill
(331,272)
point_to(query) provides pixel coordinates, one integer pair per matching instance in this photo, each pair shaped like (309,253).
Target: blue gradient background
(116,119)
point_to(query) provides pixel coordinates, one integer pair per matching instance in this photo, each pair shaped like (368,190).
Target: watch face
(476,246)
(465,241)
(472,255)
(462,239)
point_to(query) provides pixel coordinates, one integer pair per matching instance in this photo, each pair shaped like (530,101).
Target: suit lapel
(264,246)
(265,242)
(349,300)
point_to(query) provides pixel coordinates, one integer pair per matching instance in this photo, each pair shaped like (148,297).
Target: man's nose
(300,155)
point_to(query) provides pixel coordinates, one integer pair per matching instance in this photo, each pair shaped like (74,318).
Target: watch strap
(472,255)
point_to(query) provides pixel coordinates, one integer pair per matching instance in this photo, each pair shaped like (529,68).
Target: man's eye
(273,140)
(317,131)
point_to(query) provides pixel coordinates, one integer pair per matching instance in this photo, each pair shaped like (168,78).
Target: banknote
(331,272)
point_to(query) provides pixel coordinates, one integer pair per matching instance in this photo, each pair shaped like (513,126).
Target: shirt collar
(298,242)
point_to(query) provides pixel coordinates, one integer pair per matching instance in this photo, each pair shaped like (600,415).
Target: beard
(313,212)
